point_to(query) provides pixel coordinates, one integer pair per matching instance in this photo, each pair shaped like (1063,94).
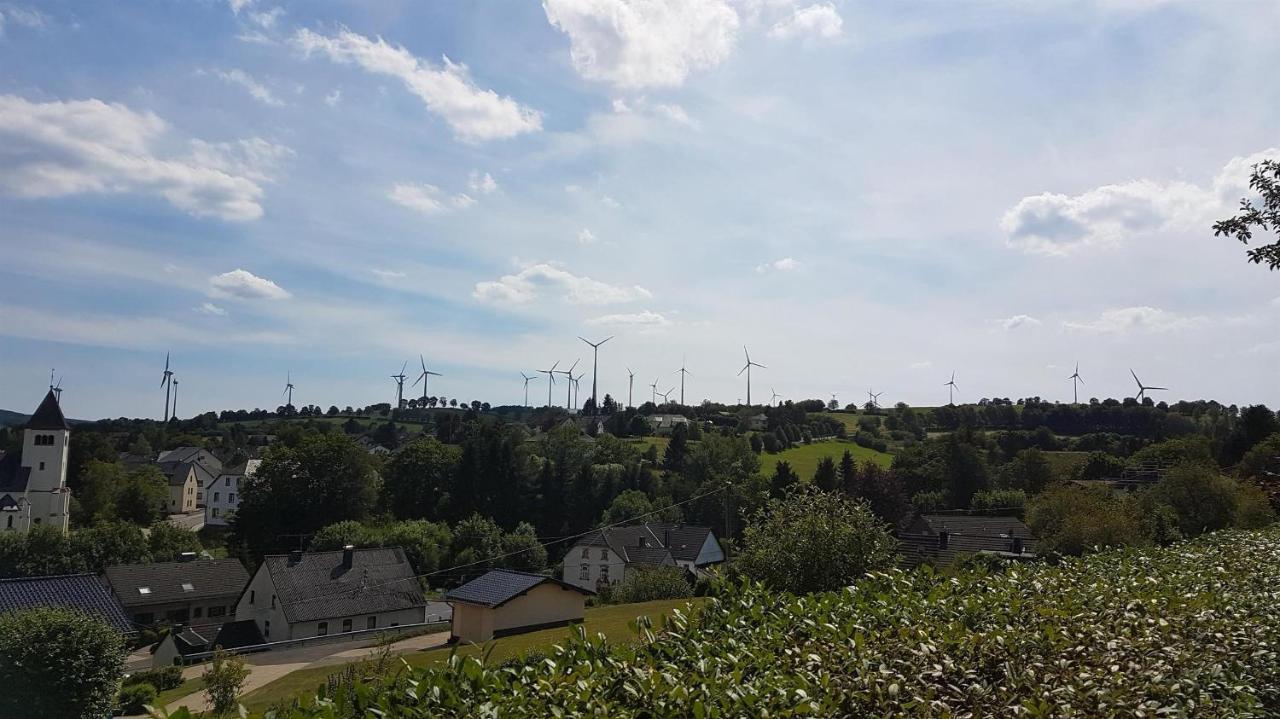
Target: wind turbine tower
(168,377)
(568,393)
(1075,385)
(654,389)
(595,369)
(951,389)
(551,379)
(683,372)
(631,383)
(288,389)
(747,368)
(399,379)
(526,388)
(174,414)
(427,374)
(775,396)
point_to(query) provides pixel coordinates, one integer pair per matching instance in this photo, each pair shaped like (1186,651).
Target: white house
(604,556)
(502,602)
(222,496)
(33,488)
(313,594)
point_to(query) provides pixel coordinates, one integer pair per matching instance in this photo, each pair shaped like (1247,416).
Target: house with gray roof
(504,601)
(310,594)
(942,539)
(605,555)
(82,592)
(200,592)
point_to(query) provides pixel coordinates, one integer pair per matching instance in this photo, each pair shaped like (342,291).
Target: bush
(223,680)
(813,541)
(134,698)
(58,664)
(162,679)
(646,585)
(1068,519)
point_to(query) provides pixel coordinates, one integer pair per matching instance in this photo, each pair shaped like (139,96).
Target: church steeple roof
(48,415)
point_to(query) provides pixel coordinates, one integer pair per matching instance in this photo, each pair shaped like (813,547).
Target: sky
(866,193)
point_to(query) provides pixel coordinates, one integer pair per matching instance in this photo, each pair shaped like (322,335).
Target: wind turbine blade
(575,364)
(1163,388)
(744,369)
(606,339)
(584,339)
(760,365)
(553,367)
(748,354)
(1135,376)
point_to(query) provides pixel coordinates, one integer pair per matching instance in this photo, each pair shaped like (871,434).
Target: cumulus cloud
(474,114)
(786,264)
(54,149)
(482,183)
(260,92)
(644,43)
(238,5)
(1123,320)
(1057,224)
(814,21)
(527,285)
(1016,321)
(244,285)
(647,318)
(208,308)
(586,237)
(428,199)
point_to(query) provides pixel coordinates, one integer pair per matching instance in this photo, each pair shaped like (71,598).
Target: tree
(825,477)
(848,472)
(1265,180)
(1204,500)
(223,680)
(673,459)
(650,584)
(1100,465)
(58,664)
(522,551)
(783,479)
(813,541)
(1070,520)
(477,541)
(628,505)
(167,542)
(143,495)
(418,480)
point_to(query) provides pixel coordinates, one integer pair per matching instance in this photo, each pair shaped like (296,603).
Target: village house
(189,470)
(183,643)
(664,424)
(222,497)
(83,592)
(503,601)
(315,594)
(195,591)
(604,556)
(33,487)
(942,539)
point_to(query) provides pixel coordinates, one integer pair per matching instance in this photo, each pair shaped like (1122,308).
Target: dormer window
(188,587)
(144,590)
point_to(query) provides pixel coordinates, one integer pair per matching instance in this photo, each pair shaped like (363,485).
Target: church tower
(45,445)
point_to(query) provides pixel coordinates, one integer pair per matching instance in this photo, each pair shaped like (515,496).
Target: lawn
(643,443)
(188,686)
(804,458)
(1066,464)
(611,621)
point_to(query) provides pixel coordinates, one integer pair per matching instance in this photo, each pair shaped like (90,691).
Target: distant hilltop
(9,418)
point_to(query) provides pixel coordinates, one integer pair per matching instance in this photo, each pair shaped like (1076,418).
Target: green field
(643,443)
(1065,464)
(804,458)
(612,621)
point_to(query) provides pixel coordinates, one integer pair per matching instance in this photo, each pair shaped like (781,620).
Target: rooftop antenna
(399,378)
(551,379)
(631,383)
(951,388)
(288,389)
(428,374)
(595,368)
(747,368)
(682,372)
(168,375)
(568,392)
(526,387)
(775,396)
(1142,388)
(1075,382)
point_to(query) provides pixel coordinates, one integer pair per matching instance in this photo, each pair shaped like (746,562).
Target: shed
(503,601)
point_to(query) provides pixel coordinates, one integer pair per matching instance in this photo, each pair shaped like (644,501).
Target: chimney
(1017,545)
(640,541)
(943,539)
(348,555)
(295,556)
(666,538)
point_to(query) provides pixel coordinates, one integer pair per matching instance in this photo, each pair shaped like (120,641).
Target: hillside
(1188,630)
(9,418)
(804,458)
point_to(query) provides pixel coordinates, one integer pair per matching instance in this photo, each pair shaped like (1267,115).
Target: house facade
(502,602)
(313,594)
(33,487)
(222,496)
(189,470)
(604,556)
(199,592)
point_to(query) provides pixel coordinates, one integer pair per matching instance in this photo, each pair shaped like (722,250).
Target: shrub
(135,697)
(1070,520)
(1004,499)
(646,585)
(58,664)
(162,679)
(223,680)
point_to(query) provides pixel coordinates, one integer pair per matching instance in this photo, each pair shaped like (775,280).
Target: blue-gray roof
(499,586)
(71,591)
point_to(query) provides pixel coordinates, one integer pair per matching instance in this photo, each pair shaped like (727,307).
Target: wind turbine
(1075,381)
(682,372)
(654,389)
(666,396)
(168,375)
(399,378)
(595,368)
(551,379)
(175,398)
(775,396)
(951,388)
(56,389)
(875,398)
(288,389)
(631,383)
(1142,388)
(568,393)
(747,368)
(427,374)
(526,387)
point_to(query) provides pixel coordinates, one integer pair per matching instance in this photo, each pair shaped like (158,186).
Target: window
(604,572)
(322,629)
(346,625)
(188,587)
(42,466)
(273,601)
(217,612)
(584,572)
(10,521)
(604,554)
(266,629)
(228,481)
(216,496)
(231,498)
(586,553)
(197,612)
(144,590)
(371,623)
(215,511)
(252,594)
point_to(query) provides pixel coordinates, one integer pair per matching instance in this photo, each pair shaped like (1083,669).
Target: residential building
(757,423)
(82,592)
(182,642)
(942,539)
(502,602)
(222,496)
(33,487)
(197,591)
(664,424)
(606,555)
(190,470)
(309,594)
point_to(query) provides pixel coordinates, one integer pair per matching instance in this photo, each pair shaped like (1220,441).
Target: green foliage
(1263,217)
(46,551)
(783,479)
(58,664)
(522,551)
(109,491)
(813,541)
(162,679)
(1070,520)
(418,479)
(648,584)
(925,502)
(826,477)
(1203,500)
(166,542)
(1186,450)
(425,544)
(626,506)
(1100,465)
(1003,499)
(135,697)
(223,680)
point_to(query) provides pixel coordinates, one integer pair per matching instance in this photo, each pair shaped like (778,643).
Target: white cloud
(208,308)
(388,274)
(333,98)
(25,16)
(586,237)
(644,43)
(1016,321)
(1134,319)
(526,285)
(1057,224)
(238,5)
(786,264)
(428,199)
(820,21)
(54,149)
(260,92)
(244,285)
(482,183)
(473,113)
(647,318)
(267,18)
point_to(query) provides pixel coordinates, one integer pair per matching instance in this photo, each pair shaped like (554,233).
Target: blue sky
(868,193)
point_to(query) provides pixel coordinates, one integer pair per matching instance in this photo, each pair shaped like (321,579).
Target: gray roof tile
(499,586)
(207,579)
(318,586)
(72,591)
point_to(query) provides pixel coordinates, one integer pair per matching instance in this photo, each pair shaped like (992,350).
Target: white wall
(260,590)
(598,557)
